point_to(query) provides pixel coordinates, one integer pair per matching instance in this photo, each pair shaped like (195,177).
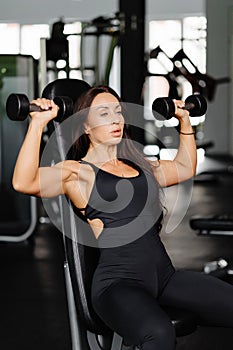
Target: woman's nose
(115,119)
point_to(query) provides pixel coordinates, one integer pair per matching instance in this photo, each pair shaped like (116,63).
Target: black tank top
(128,207)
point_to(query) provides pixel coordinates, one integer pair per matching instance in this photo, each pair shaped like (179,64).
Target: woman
(117,191)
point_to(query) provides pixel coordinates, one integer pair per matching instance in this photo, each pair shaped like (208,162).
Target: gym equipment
(203,84)
(19,212)
(18,107)
(213,225)
(217,225)
(164,107)
(87,330)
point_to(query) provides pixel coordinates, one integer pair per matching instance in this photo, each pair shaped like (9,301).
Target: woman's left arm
(183,166)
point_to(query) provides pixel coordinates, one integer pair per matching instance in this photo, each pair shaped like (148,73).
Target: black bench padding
(223,222)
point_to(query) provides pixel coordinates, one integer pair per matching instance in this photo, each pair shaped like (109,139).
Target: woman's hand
(183,166)
(183,116)
(180,112)
(49,111)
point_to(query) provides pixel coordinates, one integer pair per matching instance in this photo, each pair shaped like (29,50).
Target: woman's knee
(136,316)
(159,336)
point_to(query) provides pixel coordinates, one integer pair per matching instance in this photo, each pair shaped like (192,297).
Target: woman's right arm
(28,177)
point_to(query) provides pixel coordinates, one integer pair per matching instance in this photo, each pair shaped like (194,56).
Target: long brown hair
(127,151)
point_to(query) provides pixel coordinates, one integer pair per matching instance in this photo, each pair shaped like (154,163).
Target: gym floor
(33,301)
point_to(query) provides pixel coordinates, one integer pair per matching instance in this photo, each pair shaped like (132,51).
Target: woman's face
(105,121)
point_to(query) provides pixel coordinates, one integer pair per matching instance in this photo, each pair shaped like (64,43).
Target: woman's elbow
(23,188)
(194,170)
(16,185)
(190,173)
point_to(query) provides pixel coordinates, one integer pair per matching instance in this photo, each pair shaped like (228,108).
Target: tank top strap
(94,167)
(82,161)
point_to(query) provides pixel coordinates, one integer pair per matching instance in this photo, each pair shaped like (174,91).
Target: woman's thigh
(208,296)
(135,315)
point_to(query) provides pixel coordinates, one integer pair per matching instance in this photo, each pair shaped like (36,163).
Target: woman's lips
(116,132)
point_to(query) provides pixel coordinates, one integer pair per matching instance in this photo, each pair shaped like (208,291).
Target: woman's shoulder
(154,163)
(72,165)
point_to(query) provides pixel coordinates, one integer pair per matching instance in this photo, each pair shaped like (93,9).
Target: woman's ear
(86,129)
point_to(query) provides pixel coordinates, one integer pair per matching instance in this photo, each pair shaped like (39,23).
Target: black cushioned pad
(223,222)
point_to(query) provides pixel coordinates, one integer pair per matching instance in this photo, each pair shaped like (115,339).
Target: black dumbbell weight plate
(163,108)
(66,107)
(17,107)
(199,105)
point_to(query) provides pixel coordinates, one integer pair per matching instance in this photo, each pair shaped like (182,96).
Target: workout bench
(218,225)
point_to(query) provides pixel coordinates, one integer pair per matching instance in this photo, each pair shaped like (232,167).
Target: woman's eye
(103,114)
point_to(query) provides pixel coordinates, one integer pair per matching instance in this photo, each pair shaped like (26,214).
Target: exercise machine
(18,217)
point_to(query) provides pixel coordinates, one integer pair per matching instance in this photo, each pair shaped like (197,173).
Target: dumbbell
(18,107)
(164,107)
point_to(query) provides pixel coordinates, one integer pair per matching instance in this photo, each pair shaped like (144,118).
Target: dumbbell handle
(58,100)
(164,107)
(34,108)
(188,106)
(18,107)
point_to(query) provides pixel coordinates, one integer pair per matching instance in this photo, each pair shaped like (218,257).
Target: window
(30,36)
(169,37)
(166,39)
(9,38)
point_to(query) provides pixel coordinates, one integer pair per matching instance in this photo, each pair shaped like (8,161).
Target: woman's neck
(102,154)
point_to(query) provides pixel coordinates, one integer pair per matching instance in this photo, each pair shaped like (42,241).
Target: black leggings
(137,316)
